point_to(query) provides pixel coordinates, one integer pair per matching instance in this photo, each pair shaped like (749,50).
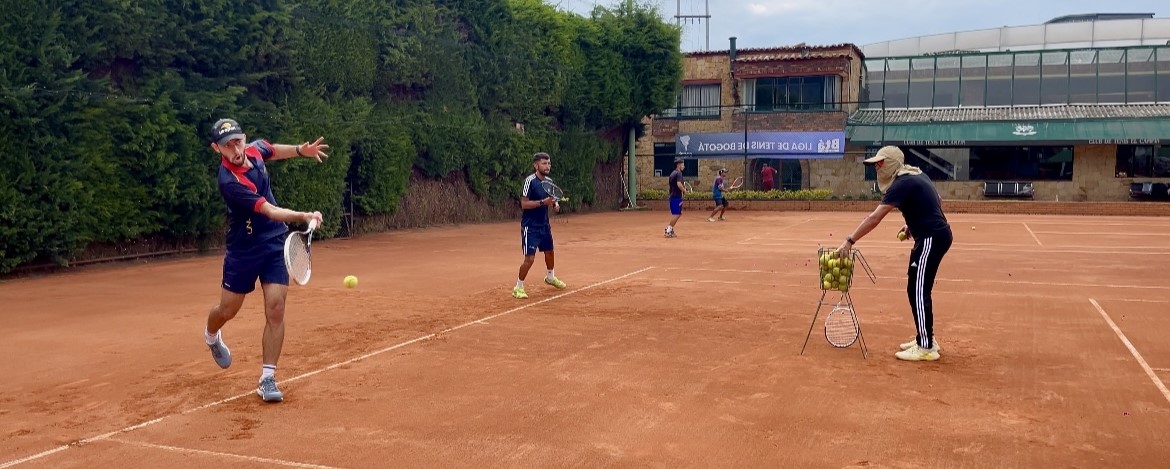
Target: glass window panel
(1139,76)
(765,94)
(700,100)
(1026,84)
(813,94)
(922,82)
(1162,163)
(974,72)
(897,83)
(1026,163)
(946,82)
(941,164)
(1054,84)
(1163,67)
(1111,76)
(1083,81)
(875,82)
(1135,160)
(999,80)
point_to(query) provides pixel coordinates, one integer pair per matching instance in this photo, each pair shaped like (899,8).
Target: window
(974,81)
(1143,161)
(897,90)
(922,82)
(1054,78)
(664,162)
(999,79)
(1139,76)
(1023,163)
(1026,80)
(1163,69)
(793,93)
(946,82)
(990,163)
(697,101)
(1111,77)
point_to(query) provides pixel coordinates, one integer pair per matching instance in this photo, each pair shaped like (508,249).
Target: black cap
(224,129)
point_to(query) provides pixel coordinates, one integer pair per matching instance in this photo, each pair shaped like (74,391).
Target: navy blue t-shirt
(245,189)
(534,191)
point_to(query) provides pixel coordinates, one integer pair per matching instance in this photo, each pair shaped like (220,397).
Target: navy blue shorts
(676,206)
(264,262)
(720,202)
(536,237)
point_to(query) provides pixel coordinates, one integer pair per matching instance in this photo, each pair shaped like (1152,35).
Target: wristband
(298,148)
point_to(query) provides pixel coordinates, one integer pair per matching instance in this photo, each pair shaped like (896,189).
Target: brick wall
(803,121)
(794,68)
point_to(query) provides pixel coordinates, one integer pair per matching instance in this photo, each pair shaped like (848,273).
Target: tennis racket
(737,183)
(841,328)
(688,187)
(296,254)
(553,190)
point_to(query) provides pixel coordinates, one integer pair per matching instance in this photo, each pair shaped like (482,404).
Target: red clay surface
(661,353)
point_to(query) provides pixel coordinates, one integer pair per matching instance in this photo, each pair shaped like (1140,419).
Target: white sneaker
(917,354)
(710,219)
(914,342)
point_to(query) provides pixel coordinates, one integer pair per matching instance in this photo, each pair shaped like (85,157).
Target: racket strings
(298,257)
(841,327)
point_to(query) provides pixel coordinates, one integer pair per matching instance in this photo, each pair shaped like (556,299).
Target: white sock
(267,371)
(211,339)
(519,283)
(550,274)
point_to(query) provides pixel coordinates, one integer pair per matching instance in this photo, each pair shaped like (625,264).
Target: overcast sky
(769,23)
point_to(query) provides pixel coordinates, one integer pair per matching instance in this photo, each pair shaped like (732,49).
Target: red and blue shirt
(245,189)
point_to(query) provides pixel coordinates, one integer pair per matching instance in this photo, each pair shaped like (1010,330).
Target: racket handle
(312,224)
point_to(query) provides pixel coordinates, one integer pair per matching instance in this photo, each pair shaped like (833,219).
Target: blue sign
(782,145)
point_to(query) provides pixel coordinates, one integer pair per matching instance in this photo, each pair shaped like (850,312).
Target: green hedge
(107,117)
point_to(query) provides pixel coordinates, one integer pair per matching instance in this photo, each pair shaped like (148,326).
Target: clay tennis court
(661,353)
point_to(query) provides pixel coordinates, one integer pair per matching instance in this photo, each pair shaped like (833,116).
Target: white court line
(1141,361)
(147,423)
(1097,233)
(1033,233)
(777,231)
(1136,251)
(860,285)
(962,280)
(1050,222)
(279,462)
(1160,369)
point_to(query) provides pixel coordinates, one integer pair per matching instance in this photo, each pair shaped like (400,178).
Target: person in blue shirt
(717,193)
(676,189)
(255,241)
(535,231)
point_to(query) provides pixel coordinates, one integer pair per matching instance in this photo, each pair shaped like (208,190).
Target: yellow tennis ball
(901,236)
(350,281)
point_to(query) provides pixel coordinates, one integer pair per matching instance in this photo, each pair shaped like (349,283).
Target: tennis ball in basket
(829,277)
(827,285)
(350,281)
